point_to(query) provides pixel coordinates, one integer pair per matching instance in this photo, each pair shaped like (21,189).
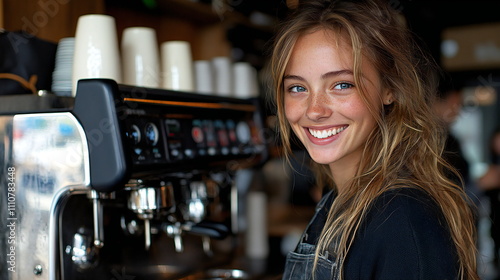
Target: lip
(327,140)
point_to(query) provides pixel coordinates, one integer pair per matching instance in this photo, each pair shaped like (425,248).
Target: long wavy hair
(405,148)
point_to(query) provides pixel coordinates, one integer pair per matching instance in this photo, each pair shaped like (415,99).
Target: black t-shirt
(404,236)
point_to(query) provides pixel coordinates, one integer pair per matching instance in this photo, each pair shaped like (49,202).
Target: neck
(342,174)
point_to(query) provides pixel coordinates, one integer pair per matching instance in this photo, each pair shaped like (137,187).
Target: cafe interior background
(462,36)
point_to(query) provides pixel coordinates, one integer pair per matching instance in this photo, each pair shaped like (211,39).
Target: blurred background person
(447,106)
(490,184)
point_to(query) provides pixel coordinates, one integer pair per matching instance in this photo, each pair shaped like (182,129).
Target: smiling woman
(327,113)
(352,86)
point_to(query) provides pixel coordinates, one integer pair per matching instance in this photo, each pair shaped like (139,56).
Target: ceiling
(426,18)
(446,13)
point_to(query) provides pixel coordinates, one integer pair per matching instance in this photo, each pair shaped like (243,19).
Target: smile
(321,134)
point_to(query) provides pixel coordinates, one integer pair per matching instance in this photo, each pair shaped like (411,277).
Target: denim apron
(299,263)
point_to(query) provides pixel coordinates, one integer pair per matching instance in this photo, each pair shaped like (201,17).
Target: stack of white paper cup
(62,76)
(140,57)
(177,66)
(96,49)
(245,80)
(204,78)
(223,75)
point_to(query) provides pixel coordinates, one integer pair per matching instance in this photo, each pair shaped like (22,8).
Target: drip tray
(151,272)
(219,274)
(164,272)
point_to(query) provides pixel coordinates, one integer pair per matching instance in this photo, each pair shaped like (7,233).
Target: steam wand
(98,224)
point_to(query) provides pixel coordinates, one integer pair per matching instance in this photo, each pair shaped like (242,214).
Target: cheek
(292,111)
(359,111)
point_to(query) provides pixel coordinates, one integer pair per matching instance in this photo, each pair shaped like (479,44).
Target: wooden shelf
(198,13)
(205,26)
(195,12)
(1,14)
(51,21)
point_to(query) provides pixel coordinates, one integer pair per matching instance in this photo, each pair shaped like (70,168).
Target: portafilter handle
(209,229)
(175,231)
(143,201)
(83,254)
(196,202)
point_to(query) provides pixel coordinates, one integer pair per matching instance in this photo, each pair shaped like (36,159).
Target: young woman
(355,90)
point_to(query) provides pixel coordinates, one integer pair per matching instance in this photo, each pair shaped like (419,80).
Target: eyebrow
(323,76)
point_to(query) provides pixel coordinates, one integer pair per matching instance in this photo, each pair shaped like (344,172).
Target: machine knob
(135,134)
(151,133)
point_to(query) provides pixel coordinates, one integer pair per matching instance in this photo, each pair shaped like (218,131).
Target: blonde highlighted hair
(405,148)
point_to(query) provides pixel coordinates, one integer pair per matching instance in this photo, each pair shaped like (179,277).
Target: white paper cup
(257,246)
(140,57)
(96,49)
(245,80)
(204,77)
(223,75)
(177,66)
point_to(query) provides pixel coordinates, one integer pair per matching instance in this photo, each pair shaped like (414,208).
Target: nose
(318,107)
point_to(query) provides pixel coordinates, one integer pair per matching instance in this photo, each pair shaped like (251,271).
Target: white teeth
(326,133)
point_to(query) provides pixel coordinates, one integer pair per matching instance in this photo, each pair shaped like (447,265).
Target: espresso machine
(124,182)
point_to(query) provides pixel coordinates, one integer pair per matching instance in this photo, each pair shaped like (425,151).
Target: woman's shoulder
(409,206)
(410,198)
(404,233)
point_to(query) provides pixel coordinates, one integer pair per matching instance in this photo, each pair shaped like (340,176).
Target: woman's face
(322,102)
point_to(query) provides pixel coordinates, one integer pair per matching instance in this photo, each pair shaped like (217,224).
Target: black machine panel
(134,131)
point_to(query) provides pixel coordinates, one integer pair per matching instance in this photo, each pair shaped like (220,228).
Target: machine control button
(151,133)
(231,126)
(175,153)
(209,132)
(197,134)
(157,154)
(141,158)
(134,134)
(173,128)
(243,132)
(212,151)
(189,153)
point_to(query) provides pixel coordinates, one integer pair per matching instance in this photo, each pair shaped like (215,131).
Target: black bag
(26,63)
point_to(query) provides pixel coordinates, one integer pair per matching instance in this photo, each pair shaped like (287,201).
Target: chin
(320,160)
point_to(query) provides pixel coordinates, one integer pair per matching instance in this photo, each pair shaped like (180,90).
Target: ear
(387,97)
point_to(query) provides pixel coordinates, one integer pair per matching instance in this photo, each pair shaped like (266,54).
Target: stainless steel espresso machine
(123,183)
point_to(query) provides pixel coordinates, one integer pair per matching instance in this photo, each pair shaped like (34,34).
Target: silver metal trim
(50,155)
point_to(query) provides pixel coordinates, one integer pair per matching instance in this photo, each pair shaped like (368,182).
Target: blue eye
(296,89)
(343,86)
